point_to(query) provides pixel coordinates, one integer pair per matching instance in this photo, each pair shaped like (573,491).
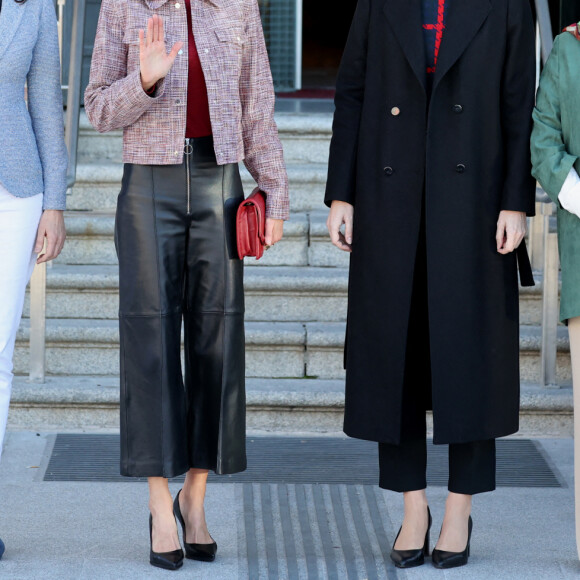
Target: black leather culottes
(178,264)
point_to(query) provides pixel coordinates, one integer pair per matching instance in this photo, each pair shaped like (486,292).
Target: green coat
(556,149)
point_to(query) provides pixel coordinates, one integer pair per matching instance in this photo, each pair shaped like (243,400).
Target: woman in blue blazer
(33,164)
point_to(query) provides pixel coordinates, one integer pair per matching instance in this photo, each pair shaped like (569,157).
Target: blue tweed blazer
(33,156)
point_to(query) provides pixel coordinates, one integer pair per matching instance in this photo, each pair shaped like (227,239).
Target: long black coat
(468,152)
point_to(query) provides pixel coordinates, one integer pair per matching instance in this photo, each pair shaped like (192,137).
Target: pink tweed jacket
(230,42)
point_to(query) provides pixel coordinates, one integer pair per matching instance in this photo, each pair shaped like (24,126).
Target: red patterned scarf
(573,29)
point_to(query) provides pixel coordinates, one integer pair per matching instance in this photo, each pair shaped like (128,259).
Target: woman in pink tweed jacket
(189,83)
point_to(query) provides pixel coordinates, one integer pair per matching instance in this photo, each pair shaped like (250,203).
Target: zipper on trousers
(188,149)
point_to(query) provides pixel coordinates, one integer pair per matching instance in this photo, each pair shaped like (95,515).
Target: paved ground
(97,531)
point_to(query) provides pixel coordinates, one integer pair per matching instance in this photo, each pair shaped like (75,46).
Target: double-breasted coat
(466,151)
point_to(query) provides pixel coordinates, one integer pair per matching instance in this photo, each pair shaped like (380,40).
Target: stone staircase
(295,305)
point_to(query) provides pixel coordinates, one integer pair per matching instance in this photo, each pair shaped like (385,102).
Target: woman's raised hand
(155,61)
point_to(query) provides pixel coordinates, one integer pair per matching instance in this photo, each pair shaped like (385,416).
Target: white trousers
(19,219)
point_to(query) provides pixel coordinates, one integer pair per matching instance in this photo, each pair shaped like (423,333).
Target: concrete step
(305,243)
(321,252)
(277,294)
(324,354)
(86,347)
(90,241)
(305,138)
(279,405)
(98,185)
(93,402)
(274,349)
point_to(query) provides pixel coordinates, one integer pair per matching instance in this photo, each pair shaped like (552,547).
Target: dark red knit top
(198,118)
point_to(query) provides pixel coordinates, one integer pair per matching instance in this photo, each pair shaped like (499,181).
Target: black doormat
(80,457)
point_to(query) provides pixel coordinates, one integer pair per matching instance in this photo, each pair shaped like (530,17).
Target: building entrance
(324,32)
(309,62)
(569,12)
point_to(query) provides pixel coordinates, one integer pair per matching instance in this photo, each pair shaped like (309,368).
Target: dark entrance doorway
(562,13)
(325,29)
(570,12)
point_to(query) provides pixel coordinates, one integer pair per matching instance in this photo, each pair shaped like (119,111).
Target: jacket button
(395,111)
(388,171)
(457,109)
(460,168)
(178,5)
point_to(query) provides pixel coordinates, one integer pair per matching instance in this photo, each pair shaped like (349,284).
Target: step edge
(557,401)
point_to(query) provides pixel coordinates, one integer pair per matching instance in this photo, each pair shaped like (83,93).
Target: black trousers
(403,467)
(178,265)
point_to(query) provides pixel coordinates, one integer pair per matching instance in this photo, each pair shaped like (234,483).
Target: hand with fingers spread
(51,228)
(155,61)
(511,229)
(341,213)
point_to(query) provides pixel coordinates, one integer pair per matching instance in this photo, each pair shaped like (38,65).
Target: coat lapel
(404,16)
(10,18)
(464,20)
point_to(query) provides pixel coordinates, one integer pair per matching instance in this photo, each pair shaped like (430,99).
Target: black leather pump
(412,558)
(444,560)
(201,552)
(166,560)
(2,548)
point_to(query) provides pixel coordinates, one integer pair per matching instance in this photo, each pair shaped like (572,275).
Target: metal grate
(299,531)
(81,457)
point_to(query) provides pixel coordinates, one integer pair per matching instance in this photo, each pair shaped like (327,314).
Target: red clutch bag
(251,225)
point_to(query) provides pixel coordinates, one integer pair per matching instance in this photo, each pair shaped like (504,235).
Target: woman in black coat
(430,174)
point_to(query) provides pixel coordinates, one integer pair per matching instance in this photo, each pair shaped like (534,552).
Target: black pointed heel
(411,558)
(166,560)
(201,552)
(445,560)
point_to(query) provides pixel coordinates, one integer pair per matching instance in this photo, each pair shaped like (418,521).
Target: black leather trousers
(178,264)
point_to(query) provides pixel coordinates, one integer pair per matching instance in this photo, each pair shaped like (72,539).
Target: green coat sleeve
(550,159)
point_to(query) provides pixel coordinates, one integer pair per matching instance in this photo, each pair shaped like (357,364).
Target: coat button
(178,5)
(388,171)
(457,109)
(460,168)
(395,111)
(180,51)
(178,101)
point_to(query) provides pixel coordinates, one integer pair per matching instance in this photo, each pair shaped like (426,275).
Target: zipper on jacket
(188,150)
